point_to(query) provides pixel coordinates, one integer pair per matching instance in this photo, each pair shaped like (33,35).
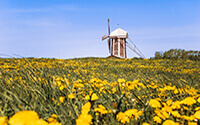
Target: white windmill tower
(117,43)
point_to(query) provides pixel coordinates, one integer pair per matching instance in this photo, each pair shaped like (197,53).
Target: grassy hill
(114,91)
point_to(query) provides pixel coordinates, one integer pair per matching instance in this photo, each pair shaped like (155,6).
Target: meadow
(39,91)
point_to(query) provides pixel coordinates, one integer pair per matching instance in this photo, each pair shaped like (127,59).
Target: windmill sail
(104,37)
(109,35)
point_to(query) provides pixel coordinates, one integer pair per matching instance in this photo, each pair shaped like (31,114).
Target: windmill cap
(119,33)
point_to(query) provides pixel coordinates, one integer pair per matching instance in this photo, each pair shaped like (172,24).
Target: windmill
(117,43)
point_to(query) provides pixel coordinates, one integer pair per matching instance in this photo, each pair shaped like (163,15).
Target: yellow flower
(37,122)
(54,123)
(170,88)
(167,108)
(26,118)
(197,115)
(84,119)
(87,97)
(139,113)
(23,118)
(185,108)
(62,99)
(176,105)
(161,114)
(169,122)
(157,119)
(188,101)
(86,108)
(3,120)
(123,118)
(94,97)
(130,112)
(145,123)
(197,108)
(101,109)
(110,111)
(176,114)
(62,87)
(175,91)
(154,103)
(189,118)
(54,116)
(121,80)
(198,100)
(71,96)
(192,123)
(165,114)
(52,119)
(169,102)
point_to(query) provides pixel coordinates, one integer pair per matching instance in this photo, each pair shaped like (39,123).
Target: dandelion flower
(62,99)
(123,118)
(23,118)
(3,120)
(176,105)
(176,114)
(167,108)
(87,97)
(169,102)
(130,112)
(197,115)
(188,101)
(37,122)
(84,119)
(86,108)
(192,123)
(189,118)
(94,97)
(197,108)
(169,122)
(165,114)
(198,100)
(154,103)
(145,123)
(101,109)
(157,119)
(175,91)
(71,96)
(52,119)
(121,80)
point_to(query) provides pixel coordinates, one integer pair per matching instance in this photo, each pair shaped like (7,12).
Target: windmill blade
(109,45)
(108,27)
(109,36)
(104,37)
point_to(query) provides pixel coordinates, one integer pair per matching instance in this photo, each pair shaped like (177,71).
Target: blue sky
(73,28)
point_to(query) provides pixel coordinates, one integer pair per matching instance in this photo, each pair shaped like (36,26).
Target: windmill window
(116,47)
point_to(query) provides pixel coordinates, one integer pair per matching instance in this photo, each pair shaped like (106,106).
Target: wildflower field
(37,91)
